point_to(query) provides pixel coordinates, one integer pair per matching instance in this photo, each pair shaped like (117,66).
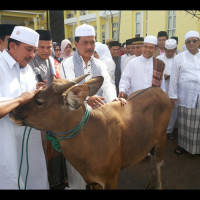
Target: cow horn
(62,88)
(80,78)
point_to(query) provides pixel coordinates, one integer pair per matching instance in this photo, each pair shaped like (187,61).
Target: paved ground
(179,172)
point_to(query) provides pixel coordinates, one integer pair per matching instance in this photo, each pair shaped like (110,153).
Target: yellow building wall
(184,23)
(157,21)
(126,25)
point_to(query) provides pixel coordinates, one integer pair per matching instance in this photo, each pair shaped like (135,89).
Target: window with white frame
(171,23)
(137,23)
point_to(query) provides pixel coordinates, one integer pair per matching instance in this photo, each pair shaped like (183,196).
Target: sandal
(179,150)
(170,136)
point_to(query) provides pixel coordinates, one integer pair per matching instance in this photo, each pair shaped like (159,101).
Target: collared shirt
(13,82)
(124,57)
(138,75)
(185,79)
(67,72)
(46,67)
(126,61)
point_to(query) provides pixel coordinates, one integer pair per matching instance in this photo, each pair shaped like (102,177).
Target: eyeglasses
(189,41)
(57,49)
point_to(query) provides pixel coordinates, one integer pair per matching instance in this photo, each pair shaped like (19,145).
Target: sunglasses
(189,41)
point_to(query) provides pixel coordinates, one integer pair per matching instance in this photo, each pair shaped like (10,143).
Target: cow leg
(159,174)
(159,154)
(96,186)
(110,185)
(152,180)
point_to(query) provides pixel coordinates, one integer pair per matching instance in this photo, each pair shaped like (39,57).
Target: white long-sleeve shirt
(138,75)
(169,67)
(108,88)
(185,79)
(14,81)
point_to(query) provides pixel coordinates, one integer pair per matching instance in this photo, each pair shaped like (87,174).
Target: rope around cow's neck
(54,138)
(22,152)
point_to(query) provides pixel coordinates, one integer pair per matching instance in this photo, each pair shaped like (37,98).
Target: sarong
(189,129)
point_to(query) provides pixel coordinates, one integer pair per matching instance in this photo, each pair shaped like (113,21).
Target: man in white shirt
(168,59)
(142,72)
(17,87)
(137,50)
(184,88)
(129,49)
(160,49)
(83,62)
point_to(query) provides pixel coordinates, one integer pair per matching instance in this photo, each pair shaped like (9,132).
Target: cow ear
(75,96)
(94,84)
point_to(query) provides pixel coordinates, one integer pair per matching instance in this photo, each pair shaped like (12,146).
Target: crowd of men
(139,63)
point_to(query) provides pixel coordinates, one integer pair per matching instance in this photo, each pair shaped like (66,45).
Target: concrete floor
(180,172)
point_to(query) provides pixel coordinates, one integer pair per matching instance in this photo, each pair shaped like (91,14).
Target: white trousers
(173,119)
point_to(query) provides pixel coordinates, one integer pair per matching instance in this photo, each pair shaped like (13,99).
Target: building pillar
(35,23)
(78,13)
(98,20)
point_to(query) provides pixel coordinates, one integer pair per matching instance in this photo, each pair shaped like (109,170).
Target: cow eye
(38,102)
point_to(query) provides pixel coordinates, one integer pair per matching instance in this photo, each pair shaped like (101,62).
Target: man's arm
(9,105)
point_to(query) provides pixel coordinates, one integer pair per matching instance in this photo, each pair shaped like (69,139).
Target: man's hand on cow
(41,84)
(123,101)
(122,95)
(25,97)
(173,101)
(95,101)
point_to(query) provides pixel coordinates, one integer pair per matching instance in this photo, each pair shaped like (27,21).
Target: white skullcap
(170,44)
(191,34)
(25,35)
(151,39)
(84,30)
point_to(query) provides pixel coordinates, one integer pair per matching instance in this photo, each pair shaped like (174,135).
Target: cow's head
(61,98)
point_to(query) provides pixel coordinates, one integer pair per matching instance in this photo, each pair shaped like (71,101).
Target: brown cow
(114,137)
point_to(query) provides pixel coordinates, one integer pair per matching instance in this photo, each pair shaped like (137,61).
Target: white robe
(13,82)
(123,58)
(169,64)
(67,72)
(127,60)
(169,67)
(105,56)
(138,75)
(185,79)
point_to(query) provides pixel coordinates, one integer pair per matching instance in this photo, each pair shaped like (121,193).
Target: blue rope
(51,136)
